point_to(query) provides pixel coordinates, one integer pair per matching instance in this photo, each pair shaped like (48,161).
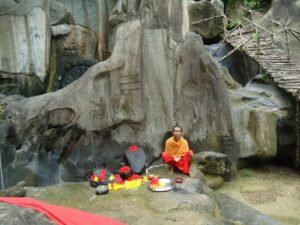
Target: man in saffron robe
(177,152)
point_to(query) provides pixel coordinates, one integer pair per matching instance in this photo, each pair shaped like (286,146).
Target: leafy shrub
(250,4)
(247,173)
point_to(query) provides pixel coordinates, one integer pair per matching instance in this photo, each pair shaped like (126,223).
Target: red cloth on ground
(183,164)
(61,215)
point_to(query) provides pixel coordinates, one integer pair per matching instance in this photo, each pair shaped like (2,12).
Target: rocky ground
(274,191)
(137,206)
(266,196)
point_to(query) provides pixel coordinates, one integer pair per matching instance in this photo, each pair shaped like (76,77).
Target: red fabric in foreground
(183,164)
(61,215)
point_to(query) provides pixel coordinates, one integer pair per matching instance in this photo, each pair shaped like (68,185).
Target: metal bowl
(168,185)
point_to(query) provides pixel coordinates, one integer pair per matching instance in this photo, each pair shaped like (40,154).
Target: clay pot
(178,180)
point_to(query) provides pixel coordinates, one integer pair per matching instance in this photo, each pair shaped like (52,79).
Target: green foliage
(247,173)
(231,25)
(256,35)
(229,2)
(264,77)
(253,4)
(250,4)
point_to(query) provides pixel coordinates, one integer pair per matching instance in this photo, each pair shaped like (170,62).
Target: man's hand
(176,159)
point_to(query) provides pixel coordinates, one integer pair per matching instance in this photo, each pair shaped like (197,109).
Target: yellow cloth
(175,148)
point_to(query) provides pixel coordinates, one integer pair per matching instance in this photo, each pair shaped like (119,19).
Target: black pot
(102,190)
(125,176)
(98,183)
(95,184)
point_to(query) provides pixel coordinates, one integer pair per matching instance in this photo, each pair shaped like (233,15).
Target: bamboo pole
(294,33)
(297,150)
(272,35)
(260,15)
(1,173)
(244,56)
(288,30)
(224,57)
(291,31)
(207,19)
(226,35)
(257,38)
(287,44)
(264,29)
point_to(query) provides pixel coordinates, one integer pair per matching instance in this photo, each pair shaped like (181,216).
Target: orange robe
(178,149)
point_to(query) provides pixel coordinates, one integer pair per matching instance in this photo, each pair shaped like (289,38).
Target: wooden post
(297,150)
(236,48)
(1,173)
(287,43)
(258,37)
(206,19)
(258,42)
(272,35)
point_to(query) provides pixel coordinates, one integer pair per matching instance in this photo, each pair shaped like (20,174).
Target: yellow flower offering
(127,184)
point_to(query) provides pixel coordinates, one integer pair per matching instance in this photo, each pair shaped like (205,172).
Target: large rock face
(260,110)
(71,47)
(157,75)
(256,110)
(91,15)
(25,41)
(206,18)
(24,44)
(200,96)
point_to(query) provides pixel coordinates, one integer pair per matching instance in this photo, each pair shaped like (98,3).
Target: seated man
(177,151)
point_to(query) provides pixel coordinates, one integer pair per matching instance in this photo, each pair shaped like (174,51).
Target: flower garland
(100,178)
(125,169)
(134,181)
(117,181)
(133,148)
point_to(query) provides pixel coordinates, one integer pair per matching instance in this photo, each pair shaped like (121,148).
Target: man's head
(177,132)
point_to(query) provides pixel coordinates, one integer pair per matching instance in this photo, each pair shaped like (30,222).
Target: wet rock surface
(142,206)
(233,210)
(13,192)
(14,215)
(136,206)
(273,191)
(212,162)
